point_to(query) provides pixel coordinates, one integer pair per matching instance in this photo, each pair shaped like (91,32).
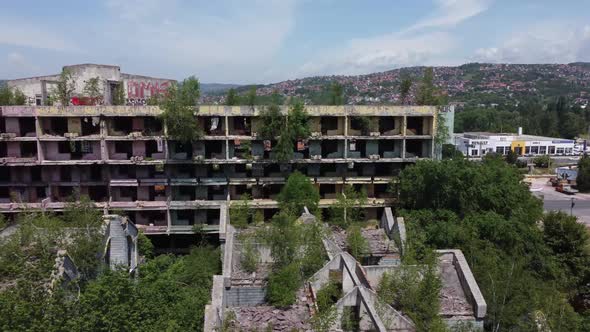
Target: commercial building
(477,144)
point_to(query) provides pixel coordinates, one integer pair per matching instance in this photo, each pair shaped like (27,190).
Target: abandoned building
(137,89)
(239,301)
(121,158)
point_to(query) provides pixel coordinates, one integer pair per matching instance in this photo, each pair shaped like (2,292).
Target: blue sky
(261,41)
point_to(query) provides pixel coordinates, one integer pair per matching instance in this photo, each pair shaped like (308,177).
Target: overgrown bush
(356,244)
(240,212)
(178,107)
(542,161)
(415,291)
(328,295)
(346,210)
(297,193)
(250,256)
(283,285)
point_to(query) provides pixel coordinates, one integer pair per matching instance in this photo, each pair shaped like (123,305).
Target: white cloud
(382,53)
(549,42)
(242,40)
(22,33)
(425,42)
(450,12)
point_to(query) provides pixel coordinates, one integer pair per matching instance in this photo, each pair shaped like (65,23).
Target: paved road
(581,208)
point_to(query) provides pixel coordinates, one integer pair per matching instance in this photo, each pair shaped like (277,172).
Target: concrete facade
(122,159)
(137,89)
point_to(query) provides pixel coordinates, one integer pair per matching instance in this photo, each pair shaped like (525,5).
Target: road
(581,208)
(553,200)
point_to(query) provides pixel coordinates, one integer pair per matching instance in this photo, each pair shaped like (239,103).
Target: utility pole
(572,207)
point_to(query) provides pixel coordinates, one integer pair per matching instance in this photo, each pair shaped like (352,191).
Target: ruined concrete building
(239,301)
(122,159)
(137,89)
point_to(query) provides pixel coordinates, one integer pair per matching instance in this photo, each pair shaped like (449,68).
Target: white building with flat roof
(478,144)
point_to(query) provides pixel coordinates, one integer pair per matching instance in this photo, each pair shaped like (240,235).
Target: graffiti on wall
(138,92)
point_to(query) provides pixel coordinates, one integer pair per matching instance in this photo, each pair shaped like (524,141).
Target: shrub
(356,243)
(542,161)
(250,257)
(283,285)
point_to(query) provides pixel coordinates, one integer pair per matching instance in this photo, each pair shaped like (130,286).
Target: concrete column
(404,148)
(39,145)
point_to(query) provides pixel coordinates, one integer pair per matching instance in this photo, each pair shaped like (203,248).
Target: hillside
(475,83)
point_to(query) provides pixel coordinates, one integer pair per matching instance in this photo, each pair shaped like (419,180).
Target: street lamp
(572,207)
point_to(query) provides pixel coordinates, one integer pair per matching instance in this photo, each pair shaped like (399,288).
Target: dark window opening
(381,191)
(414,149)
(122,125)
(128,192)
(157,218)
(185,171)
(41,193)
(126,172)
(95,173)
(4,193)
(90,127)
(383,169)
(329,170)
(415,125)
(242,125)
(151,147)
(185,218)
(158,193)
(98,193)
(328,191)
(217,193)
(214,125)
(243,170)
(3,150)
(387,149)
(386,124)
(35,173)
(65,174)
(58,126)
(65,192)
(186,193)
(182,151)
(214,150)
(212,217)
(330,149)
(153,126)
(2,125)
(273,170)
(124,147)
(28,149)
(240,190)
(27,126)
(5,173)
(328,123)
(357,148)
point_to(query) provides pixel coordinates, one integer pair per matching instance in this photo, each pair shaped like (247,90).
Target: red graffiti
(140,89)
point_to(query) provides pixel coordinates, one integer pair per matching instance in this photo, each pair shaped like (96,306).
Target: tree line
(555,118)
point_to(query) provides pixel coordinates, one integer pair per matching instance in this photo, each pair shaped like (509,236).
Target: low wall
(244,296)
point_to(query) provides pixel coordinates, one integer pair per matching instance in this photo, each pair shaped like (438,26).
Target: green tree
(404,89)
(511,157)
(583,177)
(64,88)
(273,122)
(357,245)
(92,89)
(19,97)
(346,210)
(119,95)
(232,98)
(283,285)
(336,94)
(415,291)
(251,97)
(179,111)
(240,212)
(428,94)
(6,95)
(297,193)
